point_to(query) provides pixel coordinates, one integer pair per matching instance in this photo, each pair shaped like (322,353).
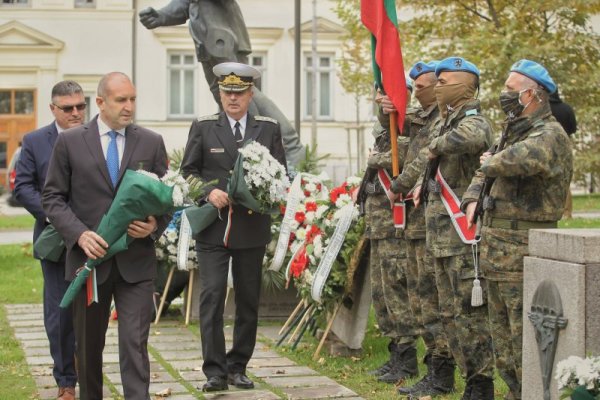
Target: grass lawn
(579,223)
(586,202)
(20,282)
(16,222)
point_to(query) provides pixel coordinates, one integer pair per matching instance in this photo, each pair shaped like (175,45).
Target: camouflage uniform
(466,136)
(532,174)
(388,253)
(422,291)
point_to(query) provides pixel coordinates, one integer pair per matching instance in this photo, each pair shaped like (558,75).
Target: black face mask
(510,104)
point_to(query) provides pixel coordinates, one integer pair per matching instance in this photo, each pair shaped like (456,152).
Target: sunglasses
(69,109)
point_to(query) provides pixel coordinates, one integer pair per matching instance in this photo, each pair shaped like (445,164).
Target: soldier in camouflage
(422,290)
(531,177)
(388,262)
(461,135)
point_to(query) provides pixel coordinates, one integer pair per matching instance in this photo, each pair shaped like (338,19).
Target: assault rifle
(432,165)
(484,201)
(361,197)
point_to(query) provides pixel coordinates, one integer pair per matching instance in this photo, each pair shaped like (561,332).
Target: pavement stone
(180,349)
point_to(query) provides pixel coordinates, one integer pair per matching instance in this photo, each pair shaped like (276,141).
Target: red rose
(307,193)
(311,206)
(312,233)
(282,209)
(300,217)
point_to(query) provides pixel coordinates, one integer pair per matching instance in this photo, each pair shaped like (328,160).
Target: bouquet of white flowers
(579,378)
(167,246)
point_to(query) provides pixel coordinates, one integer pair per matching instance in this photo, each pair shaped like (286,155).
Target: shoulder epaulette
(471,112)
(211,117)
(267,119)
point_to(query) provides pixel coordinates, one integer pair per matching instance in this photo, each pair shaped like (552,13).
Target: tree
(494,34)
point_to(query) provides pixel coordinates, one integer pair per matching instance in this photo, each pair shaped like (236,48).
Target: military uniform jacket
(210,153)
(532,172)
(466,135)
(414,164)
(378,213)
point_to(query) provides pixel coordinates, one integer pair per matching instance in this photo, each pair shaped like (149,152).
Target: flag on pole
(379,17)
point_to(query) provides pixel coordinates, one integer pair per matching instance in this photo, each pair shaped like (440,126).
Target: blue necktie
(112,158)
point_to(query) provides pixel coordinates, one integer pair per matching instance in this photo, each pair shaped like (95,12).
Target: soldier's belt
(518,225)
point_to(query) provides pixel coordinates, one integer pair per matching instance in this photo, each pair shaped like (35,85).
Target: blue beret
(456,64)
(535,71)
(409,84)
(421,68)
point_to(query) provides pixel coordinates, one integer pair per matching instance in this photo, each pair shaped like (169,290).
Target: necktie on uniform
(112,158)
(238,134)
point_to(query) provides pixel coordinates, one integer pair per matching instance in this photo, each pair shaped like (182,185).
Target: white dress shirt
(103,129)
(242,122)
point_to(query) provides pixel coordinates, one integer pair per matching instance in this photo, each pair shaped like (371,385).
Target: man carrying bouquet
(239,233)
(83,177)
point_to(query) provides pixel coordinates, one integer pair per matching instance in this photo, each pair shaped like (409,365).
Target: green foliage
(311,163)
(175,159)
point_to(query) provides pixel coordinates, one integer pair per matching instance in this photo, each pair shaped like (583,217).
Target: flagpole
(394,142)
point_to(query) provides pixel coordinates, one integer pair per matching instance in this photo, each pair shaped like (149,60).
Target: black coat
(563,113)
(210,154)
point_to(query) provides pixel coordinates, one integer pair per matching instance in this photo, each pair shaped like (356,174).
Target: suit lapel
(225,136)
(52,134)
(91,136)
(131,138)
(252,129)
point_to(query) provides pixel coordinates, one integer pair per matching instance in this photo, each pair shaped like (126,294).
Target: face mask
(510,102)
(451,95)
(426,95)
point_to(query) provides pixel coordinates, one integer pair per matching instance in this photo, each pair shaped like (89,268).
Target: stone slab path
(175,364)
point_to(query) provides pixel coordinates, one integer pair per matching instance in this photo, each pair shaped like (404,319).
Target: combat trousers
(466,327)
(423,298)
(502,255)
(389,290)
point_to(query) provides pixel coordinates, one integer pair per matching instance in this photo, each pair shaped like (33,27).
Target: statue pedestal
(570,261)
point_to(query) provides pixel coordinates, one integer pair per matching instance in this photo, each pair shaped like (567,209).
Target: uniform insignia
(267,119)
(419,68)
(212,117)
(471,112)
(458,63)
(217,150)
(536,134)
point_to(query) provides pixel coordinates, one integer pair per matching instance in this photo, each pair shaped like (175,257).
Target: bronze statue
(220,35)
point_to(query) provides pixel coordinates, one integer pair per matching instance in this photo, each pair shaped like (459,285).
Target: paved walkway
(175,363)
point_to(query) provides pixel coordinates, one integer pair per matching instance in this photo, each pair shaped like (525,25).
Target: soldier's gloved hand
(150,18)
(470,211)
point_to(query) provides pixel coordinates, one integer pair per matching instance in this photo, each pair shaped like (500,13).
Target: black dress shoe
(215,384)
(240,380)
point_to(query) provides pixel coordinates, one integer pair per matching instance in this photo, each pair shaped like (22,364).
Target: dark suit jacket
(31,172)
(78,192)
(210,153)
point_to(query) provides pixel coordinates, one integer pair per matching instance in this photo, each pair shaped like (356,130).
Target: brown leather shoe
(66,393)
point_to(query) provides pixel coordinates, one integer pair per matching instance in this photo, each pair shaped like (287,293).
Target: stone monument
(560,304)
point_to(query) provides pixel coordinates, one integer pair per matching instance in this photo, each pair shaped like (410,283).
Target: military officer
(420,274)
(388,257)
(460,135)
(210,154)
(531,176)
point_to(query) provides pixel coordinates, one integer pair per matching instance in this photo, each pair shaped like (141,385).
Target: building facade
(45,41)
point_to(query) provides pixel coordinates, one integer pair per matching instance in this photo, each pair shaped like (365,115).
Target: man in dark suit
(67,106)
(83,178)
(210,154)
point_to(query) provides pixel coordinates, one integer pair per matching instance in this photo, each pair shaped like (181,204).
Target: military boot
(404,364)
(423,381)
(440,382)
(482,388)
(385,368)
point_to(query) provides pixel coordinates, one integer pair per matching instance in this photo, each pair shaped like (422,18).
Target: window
(259,61)
(85,3)
(17,3)
(182,85)
(325,71)
(16,102)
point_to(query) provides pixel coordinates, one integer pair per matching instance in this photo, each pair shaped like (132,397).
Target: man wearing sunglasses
(68,107)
